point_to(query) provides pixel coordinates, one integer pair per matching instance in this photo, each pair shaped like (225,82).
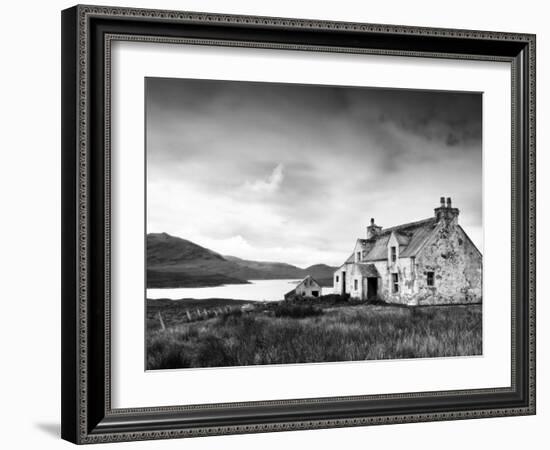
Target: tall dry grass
(351,333)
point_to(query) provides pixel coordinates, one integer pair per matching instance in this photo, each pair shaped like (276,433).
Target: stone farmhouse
(428,262)
(307,288)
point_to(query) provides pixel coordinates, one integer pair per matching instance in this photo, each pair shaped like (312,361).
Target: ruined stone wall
(352,273)
(383,281)
(404,267)
(337,279)
(456,264)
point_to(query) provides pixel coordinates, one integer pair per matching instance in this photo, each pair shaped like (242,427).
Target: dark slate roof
(367,270)
(291,292)
(411,237)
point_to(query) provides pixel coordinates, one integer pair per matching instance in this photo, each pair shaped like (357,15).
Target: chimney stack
(373,229)
(446,211)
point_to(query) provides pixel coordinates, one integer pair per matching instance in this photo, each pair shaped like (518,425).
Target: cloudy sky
(293,173)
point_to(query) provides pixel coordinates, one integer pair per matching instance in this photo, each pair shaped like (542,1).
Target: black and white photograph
(293,223)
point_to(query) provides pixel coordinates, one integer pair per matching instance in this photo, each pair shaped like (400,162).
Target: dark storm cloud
(266,166)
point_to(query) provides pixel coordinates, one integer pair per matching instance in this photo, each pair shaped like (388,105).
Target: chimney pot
(372,221)
(442,201)
(448,202)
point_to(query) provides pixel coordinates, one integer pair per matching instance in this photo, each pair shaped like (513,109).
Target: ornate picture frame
(88,33)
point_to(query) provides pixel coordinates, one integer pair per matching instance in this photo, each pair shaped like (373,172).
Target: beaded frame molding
(87,35)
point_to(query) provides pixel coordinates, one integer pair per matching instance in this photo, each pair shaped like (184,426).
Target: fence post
(162,326)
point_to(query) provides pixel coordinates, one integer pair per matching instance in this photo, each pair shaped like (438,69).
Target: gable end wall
(457,267)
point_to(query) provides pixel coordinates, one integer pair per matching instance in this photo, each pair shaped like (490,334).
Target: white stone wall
(357,289)
(337,280)
(351,274)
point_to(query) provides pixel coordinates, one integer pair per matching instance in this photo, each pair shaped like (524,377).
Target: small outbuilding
(307,288)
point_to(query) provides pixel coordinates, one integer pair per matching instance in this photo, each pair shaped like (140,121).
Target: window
(395,282)
(393,251)
(355,285)
(430,278)
(337,278)
(358,256)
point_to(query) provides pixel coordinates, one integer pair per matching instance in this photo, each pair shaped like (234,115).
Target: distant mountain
(176,262)
(163,249)
(320,271)
(264,270)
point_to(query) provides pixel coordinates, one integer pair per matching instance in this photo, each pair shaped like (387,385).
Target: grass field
(325,331)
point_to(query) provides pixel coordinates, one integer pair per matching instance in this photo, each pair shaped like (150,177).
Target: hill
(175,262)
(163,249)
(259,270)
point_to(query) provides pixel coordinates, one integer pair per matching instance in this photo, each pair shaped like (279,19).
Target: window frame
(430,278)
(395,283)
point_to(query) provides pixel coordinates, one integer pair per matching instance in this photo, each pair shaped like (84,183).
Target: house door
(372,288)
(343,290)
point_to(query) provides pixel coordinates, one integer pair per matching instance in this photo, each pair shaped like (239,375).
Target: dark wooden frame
(87,32)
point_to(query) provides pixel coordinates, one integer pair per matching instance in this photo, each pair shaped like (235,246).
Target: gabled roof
(309,277)
(410,236)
